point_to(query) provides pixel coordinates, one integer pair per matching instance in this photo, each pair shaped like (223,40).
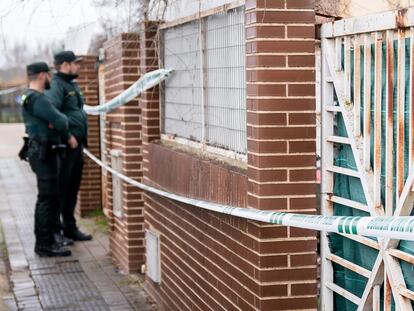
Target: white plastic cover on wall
(153,256)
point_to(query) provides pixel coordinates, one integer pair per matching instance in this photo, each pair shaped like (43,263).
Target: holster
(42,147)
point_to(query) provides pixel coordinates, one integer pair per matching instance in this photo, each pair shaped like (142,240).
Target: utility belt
(46,148)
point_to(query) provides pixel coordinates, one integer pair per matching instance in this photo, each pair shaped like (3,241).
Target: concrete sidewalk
(11,139)
(87,280)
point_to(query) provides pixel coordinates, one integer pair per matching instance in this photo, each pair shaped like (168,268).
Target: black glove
(23,151)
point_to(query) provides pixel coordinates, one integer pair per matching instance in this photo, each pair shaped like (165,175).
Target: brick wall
(90,192)
(214,262)
(149,100)
(282,138)
(211,261)
(207,259)
(123,132)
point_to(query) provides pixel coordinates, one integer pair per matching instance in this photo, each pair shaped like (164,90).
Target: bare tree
(120,15)
(19,55)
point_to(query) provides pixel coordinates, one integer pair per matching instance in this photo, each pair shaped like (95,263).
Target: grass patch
(102,223)
(99,219)
(95,213)
(133,280)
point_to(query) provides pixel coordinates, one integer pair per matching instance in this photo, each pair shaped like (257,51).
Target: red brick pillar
(90,192)
(149,100)
(123,133)
(150,105)
(280,51)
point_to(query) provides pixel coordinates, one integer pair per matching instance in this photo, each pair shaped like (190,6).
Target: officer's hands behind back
(72,142)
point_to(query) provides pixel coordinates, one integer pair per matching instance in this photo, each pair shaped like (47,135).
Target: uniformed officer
(65,94)
(45,126)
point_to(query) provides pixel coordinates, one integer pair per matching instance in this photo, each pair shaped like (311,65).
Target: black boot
(62,240)
(54,250)
(77,235)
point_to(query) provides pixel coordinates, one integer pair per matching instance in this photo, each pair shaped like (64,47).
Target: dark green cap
(36,68)
(66,56)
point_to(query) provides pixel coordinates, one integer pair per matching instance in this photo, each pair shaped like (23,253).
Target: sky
(38,22)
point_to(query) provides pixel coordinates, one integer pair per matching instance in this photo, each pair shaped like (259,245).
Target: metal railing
(205,100)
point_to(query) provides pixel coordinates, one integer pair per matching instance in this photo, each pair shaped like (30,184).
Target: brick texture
(210,261)
(90,192)
(149,100)
(123,132)
(282,138)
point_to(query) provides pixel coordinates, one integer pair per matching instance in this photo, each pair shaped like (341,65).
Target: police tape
(146,82)
(400,228)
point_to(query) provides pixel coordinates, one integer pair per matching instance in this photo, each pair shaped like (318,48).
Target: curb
(23,287)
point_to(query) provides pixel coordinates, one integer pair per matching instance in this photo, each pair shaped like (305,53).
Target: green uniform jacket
(38,113)
(67,98)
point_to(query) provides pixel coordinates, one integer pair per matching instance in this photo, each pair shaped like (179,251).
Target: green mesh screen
(351,188)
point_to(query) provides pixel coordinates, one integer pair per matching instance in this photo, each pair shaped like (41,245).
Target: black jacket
(39,113)
(67,97)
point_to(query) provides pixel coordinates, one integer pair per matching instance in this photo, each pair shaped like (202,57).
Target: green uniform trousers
(47,203)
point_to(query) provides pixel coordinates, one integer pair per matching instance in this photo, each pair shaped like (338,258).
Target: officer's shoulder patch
(23,99)
(71,93)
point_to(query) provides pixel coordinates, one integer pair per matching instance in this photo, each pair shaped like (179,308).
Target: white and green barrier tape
(400,228)
(146,82)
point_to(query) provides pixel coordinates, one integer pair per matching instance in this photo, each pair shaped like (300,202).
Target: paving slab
(87,280)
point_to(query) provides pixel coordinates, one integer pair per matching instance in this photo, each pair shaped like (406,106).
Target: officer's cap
(36,68)
(66,56)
